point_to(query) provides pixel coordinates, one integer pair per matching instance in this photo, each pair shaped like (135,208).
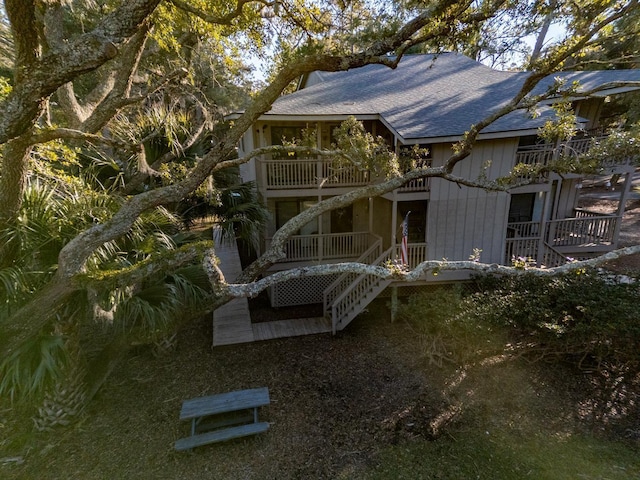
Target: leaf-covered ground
(343,407)
(338,404)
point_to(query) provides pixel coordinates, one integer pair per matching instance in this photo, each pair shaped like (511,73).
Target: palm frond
(30,369)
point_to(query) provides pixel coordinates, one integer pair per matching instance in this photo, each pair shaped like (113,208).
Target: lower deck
(232,322)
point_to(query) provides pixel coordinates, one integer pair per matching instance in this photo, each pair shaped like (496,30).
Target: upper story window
(280,134)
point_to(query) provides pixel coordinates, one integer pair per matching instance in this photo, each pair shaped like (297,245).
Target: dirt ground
(336,403)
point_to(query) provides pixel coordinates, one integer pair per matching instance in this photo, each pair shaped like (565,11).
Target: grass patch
(501,456)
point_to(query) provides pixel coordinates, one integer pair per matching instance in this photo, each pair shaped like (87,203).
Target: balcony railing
(331,246)
(523,229)
(417,185)
(587,228)
(535,154)
(310,173)
(313,173)
(544,153)
(521,248)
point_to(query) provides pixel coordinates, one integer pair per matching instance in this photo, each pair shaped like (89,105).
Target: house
(429,101)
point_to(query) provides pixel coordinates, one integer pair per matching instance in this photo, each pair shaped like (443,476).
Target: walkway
(232,322)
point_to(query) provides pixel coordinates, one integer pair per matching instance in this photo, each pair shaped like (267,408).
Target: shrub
(583,315)
(446,334)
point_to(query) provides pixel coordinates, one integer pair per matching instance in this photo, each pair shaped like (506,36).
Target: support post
(394,303)
(624,195)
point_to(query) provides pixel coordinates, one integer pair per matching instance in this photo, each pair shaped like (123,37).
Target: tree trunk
(14,164)
(35,315)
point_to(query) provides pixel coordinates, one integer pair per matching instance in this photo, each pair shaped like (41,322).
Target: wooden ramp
(232,322)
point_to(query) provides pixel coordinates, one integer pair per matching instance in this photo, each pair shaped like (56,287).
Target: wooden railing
(552,258)
(583,230)
(527,249)
(587,228)
(523,229)
(313,173)
(521,249)
(310,173)
(365,287)
(343,281)
(535,154)
(330,246)
(417,185)
(544,153)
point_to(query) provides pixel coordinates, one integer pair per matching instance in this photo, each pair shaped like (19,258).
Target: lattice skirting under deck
(299,291)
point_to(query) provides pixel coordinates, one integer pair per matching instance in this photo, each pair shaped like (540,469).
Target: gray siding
(590,109)
(568,198)
(463,218)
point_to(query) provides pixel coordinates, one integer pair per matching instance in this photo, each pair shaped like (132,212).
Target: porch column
(320,221)
(394,221)
(621,206)
(626,188)
(370,214)
(543,226)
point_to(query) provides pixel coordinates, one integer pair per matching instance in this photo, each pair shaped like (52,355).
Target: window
(521,209)
(288,133)
(417,220)
(342,220)
(287,209)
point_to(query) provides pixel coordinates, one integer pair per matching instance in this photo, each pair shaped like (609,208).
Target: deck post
(394,303)
(626,188)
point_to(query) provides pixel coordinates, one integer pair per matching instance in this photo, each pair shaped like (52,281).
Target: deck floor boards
(232,322)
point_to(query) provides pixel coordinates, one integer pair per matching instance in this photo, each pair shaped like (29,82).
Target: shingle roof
(428,96)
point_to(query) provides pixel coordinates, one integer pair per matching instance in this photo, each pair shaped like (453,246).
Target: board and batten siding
(568,198)
(461,218)
(590,110)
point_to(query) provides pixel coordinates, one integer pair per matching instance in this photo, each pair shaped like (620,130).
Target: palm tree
(55,367)
(62,367)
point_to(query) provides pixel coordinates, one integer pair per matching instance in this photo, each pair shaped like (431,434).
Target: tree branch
(44,136)
(218,19)
(21,14)
(422,270)
(139,177)
(87,52)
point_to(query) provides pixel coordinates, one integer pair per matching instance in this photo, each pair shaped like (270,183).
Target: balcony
(327,247)
(586,229)
(304,173)
(543,154)
(309,173)
(585,234)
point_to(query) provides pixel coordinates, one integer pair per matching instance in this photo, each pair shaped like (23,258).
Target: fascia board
(457,138)
(314,118)
(599,94)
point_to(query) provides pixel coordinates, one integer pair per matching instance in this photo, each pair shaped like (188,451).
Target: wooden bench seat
(221,435)
(216,418)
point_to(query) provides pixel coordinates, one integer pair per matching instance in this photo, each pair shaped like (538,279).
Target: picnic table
(224,416)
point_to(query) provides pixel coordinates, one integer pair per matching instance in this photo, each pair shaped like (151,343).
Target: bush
(446,333)
(583,316)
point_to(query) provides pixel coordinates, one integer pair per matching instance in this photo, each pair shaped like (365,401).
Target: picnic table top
(224,402)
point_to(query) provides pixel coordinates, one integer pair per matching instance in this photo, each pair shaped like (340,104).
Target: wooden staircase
(350,294)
